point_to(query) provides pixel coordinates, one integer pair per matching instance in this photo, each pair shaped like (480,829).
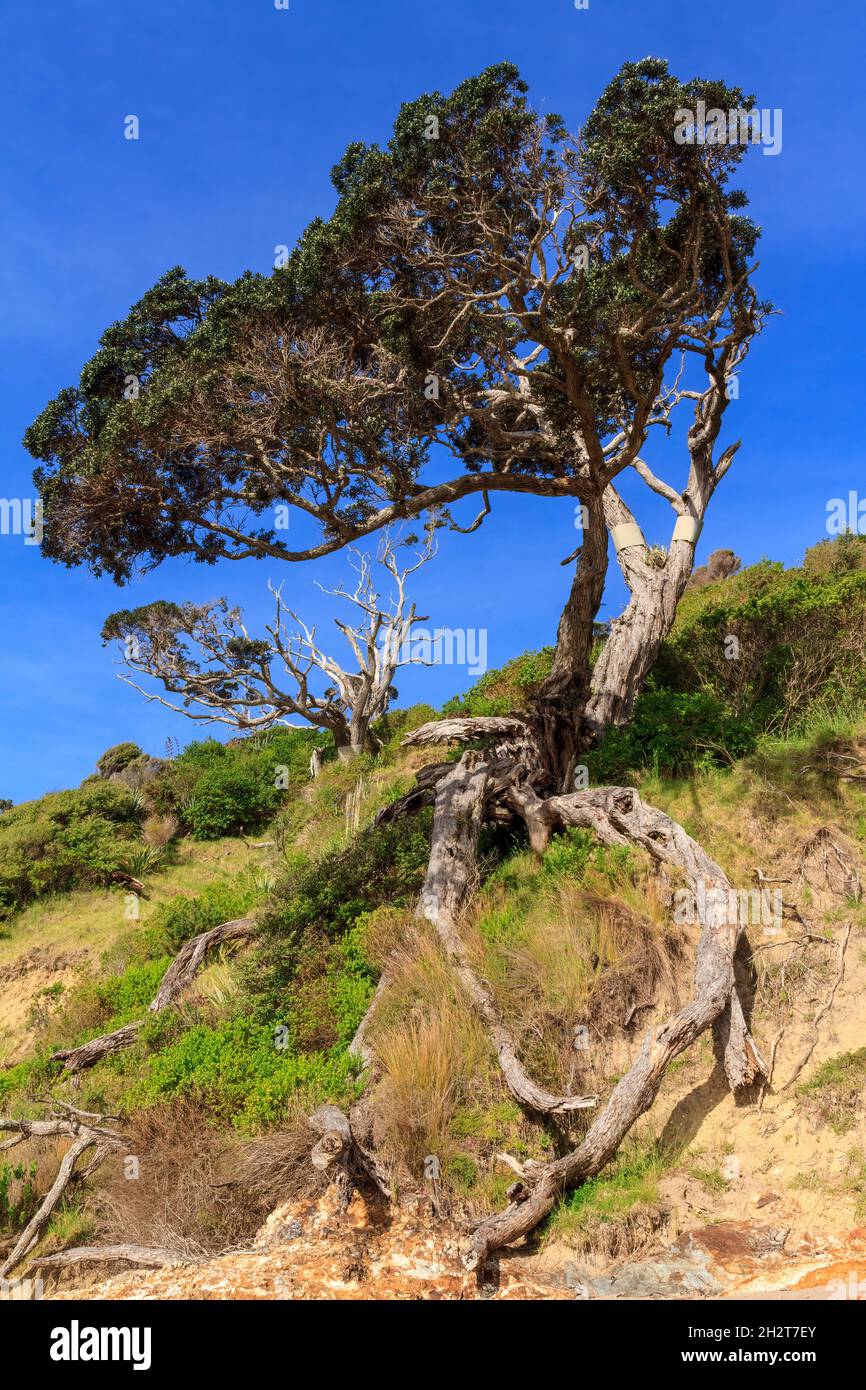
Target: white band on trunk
(687,529)
(626,535)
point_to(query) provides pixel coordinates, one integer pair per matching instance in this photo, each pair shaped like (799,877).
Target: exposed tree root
(179,974)
(617,816)
(342,1153)
(77,1059)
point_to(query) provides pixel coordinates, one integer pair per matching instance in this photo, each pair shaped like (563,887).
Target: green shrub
(177,921)
(66,840)
(228,799)
(219,789)
(239,1072)
(117,758)
(771,643)
(319,902)
(508,688)
(672,731)
(97,1006)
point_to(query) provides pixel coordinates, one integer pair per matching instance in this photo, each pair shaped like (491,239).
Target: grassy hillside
(581,948)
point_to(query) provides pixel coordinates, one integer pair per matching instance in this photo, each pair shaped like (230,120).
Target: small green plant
(836,1094)
(18,1194)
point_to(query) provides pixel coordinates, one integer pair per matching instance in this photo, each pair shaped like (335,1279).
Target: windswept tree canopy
(487,283)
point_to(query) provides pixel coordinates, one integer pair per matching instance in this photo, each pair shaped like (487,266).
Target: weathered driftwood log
(152,1257)
(77,1059)
(179,974)
(467,730)
(189,958)
(87,1131)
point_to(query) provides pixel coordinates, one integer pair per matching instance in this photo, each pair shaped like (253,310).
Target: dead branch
(179,974)
(341,1153)
(152,1257)
(76,1124)
(824,1009)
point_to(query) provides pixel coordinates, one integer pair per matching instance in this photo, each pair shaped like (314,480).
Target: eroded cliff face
(311,1251)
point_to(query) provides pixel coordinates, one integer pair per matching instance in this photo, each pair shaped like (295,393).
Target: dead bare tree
(235,679)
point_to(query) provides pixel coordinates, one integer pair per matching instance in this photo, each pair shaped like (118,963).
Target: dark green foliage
(165,446)
(117,758)
(228,800)
(799,639)
(220,789)
(501,691)
(672,731)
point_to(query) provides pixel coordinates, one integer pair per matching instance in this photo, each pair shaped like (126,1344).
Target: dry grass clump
(276,1168)
(158,831)
(578,963)
(431,1049)
(186,1195)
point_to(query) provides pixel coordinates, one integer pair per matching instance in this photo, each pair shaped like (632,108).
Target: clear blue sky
(243,111)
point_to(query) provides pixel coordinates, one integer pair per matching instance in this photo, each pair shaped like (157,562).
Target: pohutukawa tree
(204,654)
(494,306)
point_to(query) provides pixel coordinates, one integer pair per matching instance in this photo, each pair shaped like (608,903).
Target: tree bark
(152,1257)
(190,957)
(561,702)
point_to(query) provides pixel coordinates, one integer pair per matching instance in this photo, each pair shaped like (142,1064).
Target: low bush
(117,758)
(69,839)
(237,1071)
(672,731)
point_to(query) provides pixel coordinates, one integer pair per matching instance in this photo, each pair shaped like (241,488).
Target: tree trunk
(656,582)
(558,717)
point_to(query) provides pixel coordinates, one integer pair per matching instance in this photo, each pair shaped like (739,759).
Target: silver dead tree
(204,654)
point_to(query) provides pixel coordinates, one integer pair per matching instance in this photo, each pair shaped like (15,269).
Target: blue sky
(244,109)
